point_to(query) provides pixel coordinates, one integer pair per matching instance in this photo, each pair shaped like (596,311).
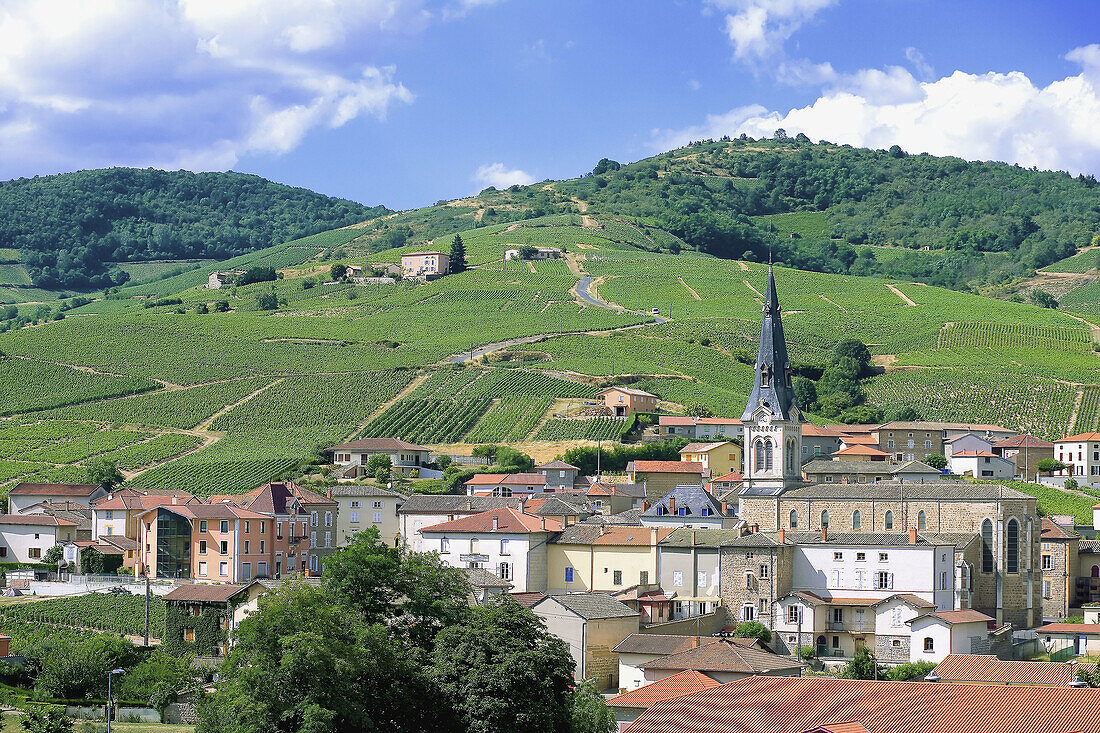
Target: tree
(855,350)
(805,393)
(502,670)
(936,460)
(605,165)
(221,306)
(267,301)
(780,134)
(379,466)
(458,255)
(339,271)
(915,671)
(54,555)
(158,679)
(1070,484)
(104,471)
(698,409)
(753,630)
(863,666)
(527,252)
(345,673)
(1049,465)
(76,667)
(45,719)
(256,275)
(1042,298)
(590,713)
(513,461)
(897,152)
(91,561)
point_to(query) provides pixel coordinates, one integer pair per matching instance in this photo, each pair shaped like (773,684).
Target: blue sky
(405,102)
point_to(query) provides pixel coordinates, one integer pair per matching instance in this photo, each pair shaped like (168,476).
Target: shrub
(753,630)
(910,671)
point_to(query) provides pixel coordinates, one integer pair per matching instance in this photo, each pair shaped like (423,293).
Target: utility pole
(147,609)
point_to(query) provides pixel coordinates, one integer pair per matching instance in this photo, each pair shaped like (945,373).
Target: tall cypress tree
(458,255)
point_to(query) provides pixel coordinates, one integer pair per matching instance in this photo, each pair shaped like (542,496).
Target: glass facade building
(173,545)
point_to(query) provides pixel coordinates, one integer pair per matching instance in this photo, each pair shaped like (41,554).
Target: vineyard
(35,385)
(428,421)
(119,613)
(509,420)
(585,428)
(1011,335)
(1088,412)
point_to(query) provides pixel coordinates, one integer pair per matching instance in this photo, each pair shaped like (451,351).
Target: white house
(981,464)
(23,496)
(27,538)
(1081,454)
(936,634)
(404,457)
(540,253)
(966,442)
(504,541)
(425,510)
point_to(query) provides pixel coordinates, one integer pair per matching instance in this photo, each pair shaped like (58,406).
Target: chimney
(693,538)
(755,528)
(543,523)
(603,529)
(496,523)
(912,536)
(175,500)
(110,496)
(725,508)
(672,505)
(645,505)
(694,641)
(653,536)
(825,533)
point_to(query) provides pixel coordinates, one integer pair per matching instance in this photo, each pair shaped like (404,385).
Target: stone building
(1060,568)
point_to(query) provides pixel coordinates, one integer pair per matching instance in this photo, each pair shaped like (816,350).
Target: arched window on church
(790,456)
(825,518)
(767,455)
(922,520)
(759,448)
(765,375)
(857,519)
(889,520)
(1012,554)
(987,546)
(794,519)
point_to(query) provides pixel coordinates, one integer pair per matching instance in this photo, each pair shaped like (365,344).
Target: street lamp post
(110,699)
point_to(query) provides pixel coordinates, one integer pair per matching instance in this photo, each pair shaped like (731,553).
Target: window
(987,546)
(617,577)
(884,557)
(825,518)
(702,578)
(202,547)
(35,552)
(504,547)
(377,517)
(682,511)
(354,505)
(263,527)
(355,517)
(895,618)
(246,571)
(202,525)
(569,575)
(225,525)
(108,515)
(1046,589)
(247,526)
(262,543)
(376,505)
(261,568)
(246,547)
(328,539)
(764,572)
(223,548)
(473,545)
(748,555)
(929,645)
(750,580)
(922,520)
(1048,562)
(313,519)
(444,545)
(328,519)
(896,643)
(677,577)
(188,634)
(928,445)
(312,539)
(504,570)
(794,614)
(748,612)
(1012,561)
(643,577)
(884,580)
(888,520)
(836,578)
(110,529)
(889,444)
(704,512)
(857,520)
(223,569)
(793,519)
(837,556)
(202,568)
(861,557)
(763,605)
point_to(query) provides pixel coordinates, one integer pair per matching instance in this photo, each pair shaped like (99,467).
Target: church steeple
(773,388)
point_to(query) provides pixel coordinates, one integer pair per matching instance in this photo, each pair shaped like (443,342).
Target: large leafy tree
(501,670)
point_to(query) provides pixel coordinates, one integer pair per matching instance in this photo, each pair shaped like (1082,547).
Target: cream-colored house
(362,506)
(424,264)
(590,557)
(932,636)
(592,624)
(624,401)
(405,457)
(117,512)
(27,538)
(718,458)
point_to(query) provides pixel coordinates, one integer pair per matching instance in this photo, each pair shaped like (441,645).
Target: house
(913,440)
(638,649)
(610,558)
(649,600)
(485,585)
(405,457)
(608,498)
(726,483)
(624,401)
(505,541)
(218,280)
(762,704)
(986,669)
(966,442)
(688,561)
(425,510)
(560,476)
(661,477)
(717,458)
(1081,454)
(362,506)
(819,442)
(1060,566)
(246,601)
(592,624)
(26,538)
(1025,451)
(1082,639)
(627,706)
(724,661)
(506,485)
(81,516)
(564,509)
(24,495)
(863,453)
(980,464)
(540,253)
(117,544)
(199,619)
(690,505)
(424,265)
(677,425)
(699,428)
(936,634)
(117,512)
(868,472)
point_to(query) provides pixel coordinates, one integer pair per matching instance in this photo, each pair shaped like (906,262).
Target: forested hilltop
(68,230)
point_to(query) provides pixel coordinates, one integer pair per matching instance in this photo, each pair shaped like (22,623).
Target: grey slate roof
(778,395)
(363,490)
(881,468)
(445,503)
(592,605)
(555,507)
(630,517)
(869,539)
(683,537)
(690,497)
(935,491)
(480,578)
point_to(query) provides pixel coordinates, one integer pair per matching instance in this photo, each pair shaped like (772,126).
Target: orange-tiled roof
(821,431)
(732,476)
(507,479)
(678,420)
(986,668)
(53,489)
(764,704)
(1052,531)
(717,421)
(666,467)
(36,519)
(860,450)
(204,592)
(963,616)
(850,439)
(509,521)
(703,447)
(681,683)
(141,501)
(1069,629)
(1079,438)
(1022,441)
(851,726)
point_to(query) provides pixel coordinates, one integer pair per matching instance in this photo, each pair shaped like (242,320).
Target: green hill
(71,230)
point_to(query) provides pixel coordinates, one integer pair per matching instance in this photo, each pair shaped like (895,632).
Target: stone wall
(737,562)
(885,651)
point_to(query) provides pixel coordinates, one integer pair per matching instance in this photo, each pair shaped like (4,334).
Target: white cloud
(693,84)
(193,83)
(916,58)
(992,116)
(495,174)
(759,28)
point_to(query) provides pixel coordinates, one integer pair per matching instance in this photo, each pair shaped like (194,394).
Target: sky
(407,102)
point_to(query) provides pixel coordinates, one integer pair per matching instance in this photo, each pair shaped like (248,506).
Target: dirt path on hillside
(900,294)
(1092,327)
(743,265)
(90,370)
(531,267)
(419,380)
(203,428)
(1072,424)
(574,264)
(831,302)
(750,287)
(690,289)
(586,221)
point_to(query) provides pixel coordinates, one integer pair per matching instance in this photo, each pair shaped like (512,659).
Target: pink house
(424,264)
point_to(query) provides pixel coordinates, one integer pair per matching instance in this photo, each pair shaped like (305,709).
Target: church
(996,530)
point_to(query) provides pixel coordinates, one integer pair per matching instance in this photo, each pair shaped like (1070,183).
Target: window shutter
(891,581)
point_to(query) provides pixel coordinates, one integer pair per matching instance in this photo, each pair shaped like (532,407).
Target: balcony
(296,540)
(852,627)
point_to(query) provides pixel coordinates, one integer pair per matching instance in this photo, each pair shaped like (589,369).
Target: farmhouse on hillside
(625,401)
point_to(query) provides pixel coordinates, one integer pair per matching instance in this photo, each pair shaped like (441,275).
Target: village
(766,564)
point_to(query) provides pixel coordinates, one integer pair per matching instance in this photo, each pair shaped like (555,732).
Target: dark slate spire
(772,387)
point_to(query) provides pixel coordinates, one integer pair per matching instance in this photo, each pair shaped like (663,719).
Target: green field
(1081,262)
(14,275)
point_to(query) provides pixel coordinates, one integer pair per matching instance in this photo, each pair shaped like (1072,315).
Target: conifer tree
(458,255)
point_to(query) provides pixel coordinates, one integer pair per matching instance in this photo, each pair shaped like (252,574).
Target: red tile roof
(964,616)
(665,467)
(732,477)
(704,447)
(507,479)
(821,431)
(717,421)
(849,439)
(1079,438)
(1069,629)
(681,683)
(35,519)
(987,668)
(509,521)
(204,593)
(53,489)
(1052,531)
(139,502)
(527,598)
(1021,441)
(851,726)
(676,420)
(860,450)
(763,704)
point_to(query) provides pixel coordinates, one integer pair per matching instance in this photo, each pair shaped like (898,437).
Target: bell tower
(772,420)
